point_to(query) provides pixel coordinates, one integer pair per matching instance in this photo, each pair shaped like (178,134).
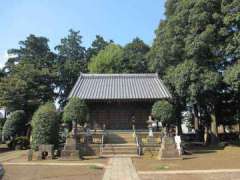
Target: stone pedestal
(45,151)
(168,150)
(71,149)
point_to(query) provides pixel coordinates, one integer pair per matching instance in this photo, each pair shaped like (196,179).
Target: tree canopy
(97,45)
(107,60)
(75,110)
(30,76)
(193,47)
(71,60)
(164,112)
(134,57)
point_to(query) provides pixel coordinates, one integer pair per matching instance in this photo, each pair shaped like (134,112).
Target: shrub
(45,126)
(19,143)
(164,112)
(14,125)
(76,110)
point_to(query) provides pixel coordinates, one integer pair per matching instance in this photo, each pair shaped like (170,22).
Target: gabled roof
(119,87)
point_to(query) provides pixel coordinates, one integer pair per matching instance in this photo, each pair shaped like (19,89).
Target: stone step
(120,155)
(113,149)
(119,149)
(121,145)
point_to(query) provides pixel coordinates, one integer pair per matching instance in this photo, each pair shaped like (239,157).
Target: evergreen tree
(108,60)
(45,126)
(134,57)
(97,45)
(71,59)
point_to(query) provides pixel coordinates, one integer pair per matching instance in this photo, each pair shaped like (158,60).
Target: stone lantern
(149,122)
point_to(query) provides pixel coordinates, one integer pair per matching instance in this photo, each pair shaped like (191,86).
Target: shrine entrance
(118,115)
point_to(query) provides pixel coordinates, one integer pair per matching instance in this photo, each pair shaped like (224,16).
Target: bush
(14,125)
(45,126)
(76,110)
(164,112)
(19,143)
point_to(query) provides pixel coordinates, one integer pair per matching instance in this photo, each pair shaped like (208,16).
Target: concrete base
(71,150)
(168,150)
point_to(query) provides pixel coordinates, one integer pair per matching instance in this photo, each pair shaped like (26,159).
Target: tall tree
(232,78)
(71,57)
(189,83)
(97,45)
(134,57)
(33,50)
(205,32)
(31,78)
(107,60)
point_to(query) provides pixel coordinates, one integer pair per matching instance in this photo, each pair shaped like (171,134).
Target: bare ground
(228,158)
(17,172)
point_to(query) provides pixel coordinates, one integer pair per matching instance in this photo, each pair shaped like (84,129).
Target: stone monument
(71,147)
(168,149)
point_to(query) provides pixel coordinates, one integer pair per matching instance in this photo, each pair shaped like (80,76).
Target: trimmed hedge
(19,143)
(14,125)
(45,126)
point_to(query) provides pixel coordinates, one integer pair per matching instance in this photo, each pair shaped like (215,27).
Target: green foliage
(107,60)
(75,110)
(2,73)
(205,31)
(71,56)
(97,45)
(30,76)
(134,57)
(19,143)
(164,112)
(232,77)
(14,125)
(33,50)
(196,42)
(45,125)
(190,81)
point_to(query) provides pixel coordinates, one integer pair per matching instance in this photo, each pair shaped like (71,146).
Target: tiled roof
(119,87)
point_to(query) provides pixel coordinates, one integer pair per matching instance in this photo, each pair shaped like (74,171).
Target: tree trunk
(195,116)
(206,136)
(214,130)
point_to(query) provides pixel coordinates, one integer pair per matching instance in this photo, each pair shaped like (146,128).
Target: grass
(94,167)
(162,167)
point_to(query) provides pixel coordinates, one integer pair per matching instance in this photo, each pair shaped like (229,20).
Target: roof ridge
(120,75)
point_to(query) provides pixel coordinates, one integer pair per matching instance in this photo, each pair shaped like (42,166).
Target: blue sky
(120,20)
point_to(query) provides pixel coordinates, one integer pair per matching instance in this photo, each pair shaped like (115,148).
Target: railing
(102,142)
(91,137)
(144,138)
(137,142)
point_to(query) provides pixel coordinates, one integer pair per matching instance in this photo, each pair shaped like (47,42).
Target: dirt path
(219,174)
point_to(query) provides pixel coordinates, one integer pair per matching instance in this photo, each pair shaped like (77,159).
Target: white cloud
(4,57)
